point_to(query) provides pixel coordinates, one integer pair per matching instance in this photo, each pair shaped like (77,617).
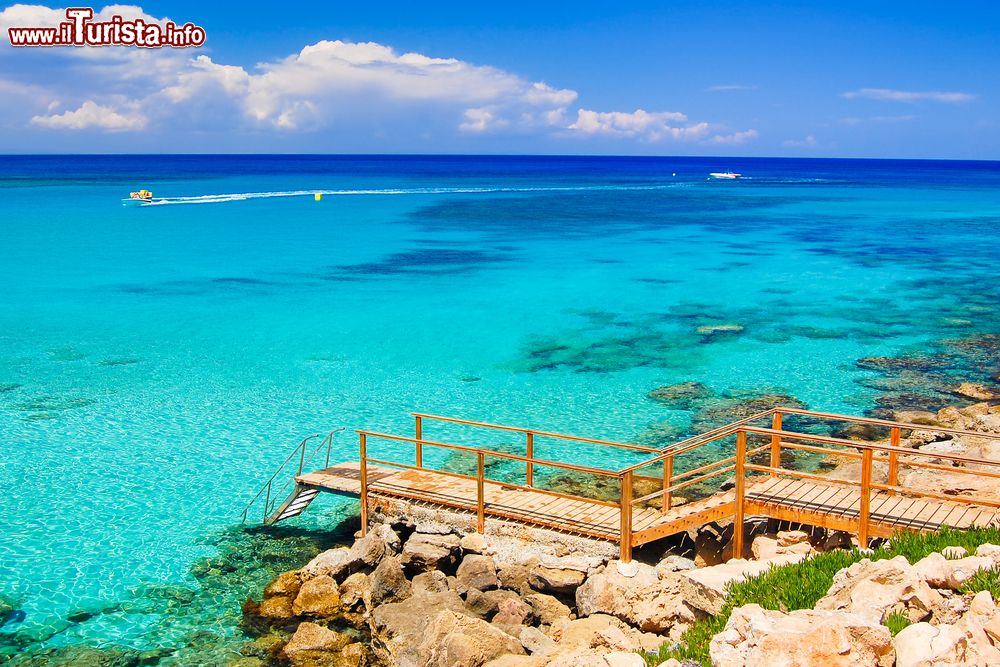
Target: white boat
(727,175)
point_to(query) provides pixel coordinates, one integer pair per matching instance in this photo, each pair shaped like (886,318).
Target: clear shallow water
(157,363)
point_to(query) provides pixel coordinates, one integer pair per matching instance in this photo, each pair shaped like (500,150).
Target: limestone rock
(976,391)
(334,563)
(941,572)
(874,589)
(370,549)
(973,640)
(477,572)
(755,637)
(547,608)
(557,580)
(424,552)
(318,596)
(287,583)
(434,581)
(604,632)
(398,628)
(673,563)
(486,604)
(705,588)
(276,607)
(514,576)
(765,547)
(536,642)
(513,611)
(473,543)
(311,638)
(452,639)
(355,591)
(388,583)
(644,600)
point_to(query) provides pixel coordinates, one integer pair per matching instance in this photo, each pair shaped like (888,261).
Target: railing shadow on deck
(745,451)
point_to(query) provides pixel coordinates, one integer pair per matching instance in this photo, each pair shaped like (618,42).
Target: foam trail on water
(242,196)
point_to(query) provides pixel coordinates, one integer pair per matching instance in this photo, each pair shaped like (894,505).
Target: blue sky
(845,79)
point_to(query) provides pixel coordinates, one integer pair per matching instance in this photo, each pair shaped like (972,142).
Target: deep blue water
(157,362)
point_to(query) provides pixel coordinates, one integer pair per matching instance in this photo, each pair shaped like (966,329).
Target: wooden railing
(756,444)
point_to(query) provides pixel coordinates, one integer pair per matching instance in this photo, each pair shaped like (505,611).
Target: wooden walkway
(763,482)
(816,503)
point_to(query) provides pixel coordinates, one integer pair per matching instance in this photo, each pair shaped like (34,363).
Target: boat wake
(243,196)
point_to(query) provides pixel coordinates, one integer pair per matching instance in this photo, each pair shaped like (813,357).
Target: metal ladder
(274,503)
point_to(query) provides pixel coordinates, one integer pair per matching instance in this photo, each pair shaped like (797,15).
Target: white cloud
(808,142)
(880,120)
(90,114)
(352,87)
(888,94)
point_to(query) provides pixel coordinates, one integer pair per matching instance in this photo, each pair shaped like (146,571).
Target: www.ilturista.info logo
(81,30)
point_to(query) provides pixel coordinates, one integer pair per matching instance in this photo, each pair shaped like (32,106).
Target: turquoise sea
(157,363)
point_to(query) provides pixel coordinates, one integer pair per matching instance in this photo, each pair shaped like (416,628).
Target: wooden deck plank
(811,502)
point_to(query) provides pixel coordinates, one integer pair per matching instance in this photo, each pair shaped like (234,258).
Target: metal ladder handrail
(266,489)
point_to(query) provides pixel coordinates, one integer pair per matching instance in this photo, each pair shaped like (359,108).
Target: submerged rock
(682,395)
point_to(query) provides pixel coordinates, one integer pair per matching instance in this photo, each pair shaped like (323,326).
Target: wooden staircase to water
(763,482)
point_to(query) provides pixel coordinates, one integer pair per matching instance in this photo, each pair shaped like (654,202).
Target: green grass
(984,580)
(895,621)
(801,585)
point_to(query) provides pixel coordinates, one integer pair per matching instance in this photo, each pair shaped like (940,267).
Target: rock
(973,640)
(591,658)
(514,576)
(536,642)
(543,578)
(477,572)
(755,637)
(276,607)
(388,583)
(355,591)
(836,539)
(716,329)
(875,589)
(318,596)
(486,604)
(423,552)
(705,588)
(788,538)
(674,563)
(370,549)
(547,608)
(452,639)
(473,543)
(681,395)
(335,563)
(954,553)
(399,627)
(310,637)
(513,611)
(989,551)
(602,631)
(940,572)
(769,548)
(652,603)
(434,581)
(518,661)
(390,538)
(975,391)
(287,583)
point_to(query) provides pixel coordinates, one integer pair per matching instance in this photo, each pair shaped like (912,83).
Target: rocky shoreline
(433,593)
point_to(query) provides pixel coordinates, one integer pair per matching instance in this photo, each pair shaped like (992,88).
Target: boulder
(398,627)
(452,639)
(336,563)
(765,547)
(286,583)
(941,572)
(973,640)
(473,543)
(873,589)
(477,572)
(604,632)
(646,600)
(681,395)
(355,591)
(276,607)
(536,642)
(705,588)
(514,576)
(388,583)
(547,609)
(513,611)
(311,638)
(673,563)
(434,581)
(424,552)
(590,658)
(486,604)
(318,596)
(756,637)
(975,391)
(556,580)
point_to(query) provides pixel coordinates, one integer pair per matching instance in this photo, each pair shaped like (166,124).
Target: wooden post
(866,491)
(626,515)
(893,459)
(364,484)
(480,501)
(530,473)
(741,452)
(776,442)
(668,473)
(420,445)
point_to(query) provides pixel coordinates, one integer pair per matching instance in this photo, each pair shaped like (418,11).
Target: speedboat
(726,175)
(138,198)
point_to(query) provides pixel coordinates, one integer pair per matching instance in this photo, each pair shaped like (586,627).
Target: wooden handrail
(538,432)
(883,422)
